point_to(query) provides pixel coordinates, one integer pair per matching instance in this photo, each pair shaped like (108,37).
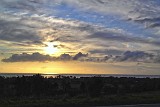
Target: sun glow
(50,49)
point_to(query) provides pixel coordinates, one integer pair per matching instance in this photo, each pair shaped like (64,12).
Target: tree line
(39,86)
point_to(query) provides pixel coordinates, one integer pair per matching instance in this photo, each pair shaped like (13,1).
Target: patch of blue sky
(155,2)
(109,20)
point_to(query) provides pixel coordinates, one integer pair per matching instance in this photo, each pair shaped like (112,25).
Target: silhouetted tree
(95,86)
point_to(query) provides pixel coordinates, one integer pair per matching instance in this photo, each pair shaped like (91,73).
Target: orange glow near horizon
(53,68)
(73,67)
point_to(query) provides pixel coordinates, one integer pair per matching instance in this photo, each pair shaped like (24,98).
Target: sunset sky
(80,36)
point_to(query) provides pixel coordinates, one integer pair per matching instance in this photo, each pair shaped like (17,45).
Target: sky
(80,36)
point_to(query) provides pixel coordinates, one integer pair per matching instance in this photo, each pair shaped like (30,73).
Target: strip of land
(38,91)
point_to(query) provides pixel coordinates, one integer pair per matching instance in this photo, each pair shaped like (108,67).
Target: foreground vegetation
(37,91)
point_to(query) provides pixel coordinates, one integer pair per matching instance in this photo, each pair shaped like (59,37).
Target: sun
(50,49)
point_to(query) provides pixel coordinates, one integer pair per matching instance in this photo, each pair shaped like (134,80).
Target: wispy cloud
(31,23)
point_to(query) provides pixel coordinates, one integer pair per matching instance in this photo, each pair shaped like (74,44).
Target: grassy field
(137,98)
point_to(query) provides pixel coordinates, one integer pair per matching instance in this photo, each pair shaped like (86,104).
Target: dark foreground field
(37,91)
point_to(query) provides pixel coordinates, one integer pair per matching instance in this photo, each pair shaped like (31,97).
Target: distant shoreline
(79,75)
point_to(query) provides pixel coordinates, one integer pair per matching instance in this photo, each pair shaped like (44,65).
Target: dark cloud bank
(24,57)
(134,56)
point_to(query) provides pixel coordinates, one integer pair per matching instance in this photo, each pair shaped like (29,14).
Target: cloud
(36,30)
(28,31)
(128,56)
(16,31)
(31,23)
(107,51)
(133,9)
(150,22)
(79,55)
(135,56)
(24,57)
(65,57)
(122,37)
